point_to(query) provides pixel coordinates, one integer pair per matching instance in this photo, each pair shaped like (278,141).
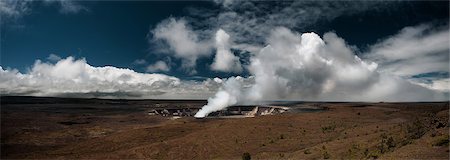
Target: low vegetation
(329,128)
(441,141)
(246,156)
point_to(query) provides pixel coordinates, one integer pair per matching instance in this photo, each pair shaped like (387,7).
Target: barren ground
(90,128)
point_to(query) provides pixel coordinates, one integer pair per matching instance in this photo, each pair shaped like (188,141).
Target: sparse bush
(326,155)
(353,151)
(433,134)
(440,125)
(441,141)
(373,155)
(282,136)
(246,156)
(390,143)
(366,152)
(307,151)
(416,130)
(329,128)
(387,143)
(281,155)
(406,142)
(355,146)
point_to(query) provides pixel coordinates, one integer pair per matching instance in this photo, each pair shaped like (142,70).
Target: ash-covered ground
(45,128)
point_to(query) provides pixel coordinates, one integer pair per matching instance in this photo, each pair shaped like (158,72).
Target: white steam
(305,67)
(226,96)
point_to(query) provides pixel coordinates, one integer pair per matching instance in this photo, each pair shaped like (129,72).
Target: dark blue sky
(116,33)
(110,33)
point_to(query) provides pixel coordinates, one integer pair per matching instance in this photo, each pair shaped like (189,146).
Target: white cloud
(182,41)
(18,8)
(415,51)
(412,42)
(442,85)
(306,67)
(77,78)
(139,61)
(14,8)
(158,66)
(249,22)
(70,77)
(225,3)
(225,60)
(53,57)
(68,6)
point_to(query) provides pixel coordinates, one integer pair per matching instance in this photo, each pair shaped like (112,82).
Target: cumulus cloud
(182,41)
(225,60)
(248,22)
(70,76)
(303,65)
(158,66)
(307,67)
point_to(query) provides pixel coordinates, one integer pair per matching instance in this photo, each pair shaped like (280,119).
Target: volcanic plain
(71,128)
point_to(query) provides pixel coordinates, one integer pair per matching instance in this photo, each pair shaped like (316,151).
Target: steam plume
(226,96)
(307,67)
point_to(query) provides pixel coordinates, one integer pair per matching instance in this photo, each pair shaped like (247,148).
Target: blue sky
(134,34)
(107,33)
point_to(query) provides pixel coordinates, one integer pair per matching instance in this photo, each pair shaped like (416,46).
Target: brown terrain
(50,128)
